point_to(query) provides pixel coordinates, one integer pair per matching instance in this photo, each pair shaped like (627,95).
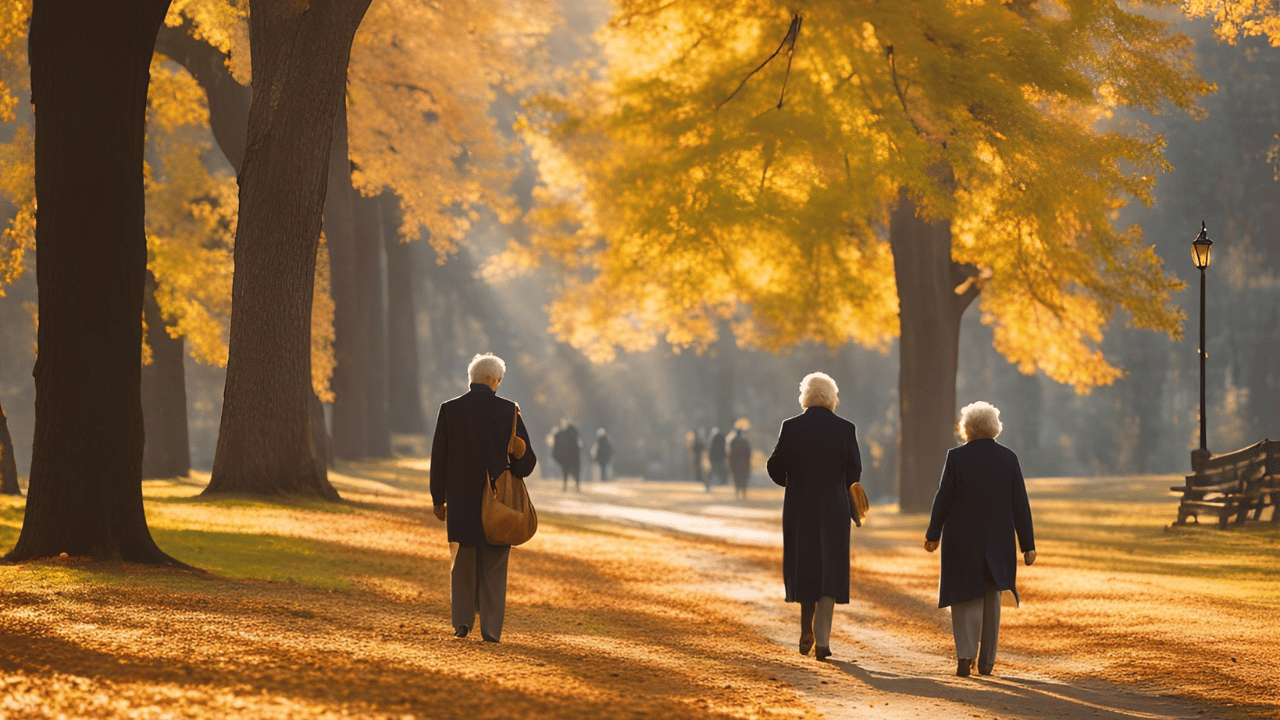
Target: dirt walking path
(1098,635)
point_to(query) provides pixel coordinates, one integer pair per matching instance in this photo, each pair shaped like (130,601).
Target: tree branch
(790,37)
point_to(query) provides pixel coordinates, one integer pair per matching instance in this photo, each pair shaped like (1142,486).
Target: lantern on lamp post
(1200,254)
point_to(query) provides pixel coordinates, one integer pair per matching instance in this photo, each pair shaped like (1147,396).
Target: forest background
(1224,172)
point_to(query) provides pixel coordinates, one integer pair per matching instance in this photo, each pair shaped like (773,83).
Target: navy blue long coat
(981,504)
(471,439)
(816,460)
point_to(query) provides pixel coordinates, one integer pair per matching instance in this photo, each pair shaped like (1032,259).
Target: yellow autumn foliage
(698,179)
(422,82)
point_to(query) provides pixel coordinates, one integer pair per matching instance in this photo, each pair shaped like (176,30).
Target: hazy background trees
(440,166)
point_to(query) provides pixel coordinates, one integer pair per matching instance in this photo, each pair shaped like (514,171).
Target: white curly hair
(818,389)
(979,420)
(485,368)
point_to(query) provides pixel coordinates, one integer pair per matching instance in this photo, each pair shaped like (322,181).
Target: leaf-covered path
(332,610)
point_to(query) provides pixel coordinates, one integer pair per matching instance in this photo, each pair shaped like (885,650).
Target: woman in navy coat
(816,460)
(980,506)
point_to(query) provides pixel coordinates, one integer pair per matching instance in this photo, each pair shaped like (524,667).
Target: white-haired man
(816,460)
(980,506)
(469,448)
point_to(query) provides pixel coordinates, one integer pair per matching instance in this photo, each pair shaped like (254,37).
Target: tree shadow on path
(1004,697)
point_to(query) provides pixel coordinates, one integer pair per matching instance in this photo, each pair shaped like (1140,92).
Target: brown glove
(442,512)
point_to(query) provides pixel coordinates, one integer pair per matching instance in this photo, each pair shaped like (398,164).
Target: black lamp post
(1200,254)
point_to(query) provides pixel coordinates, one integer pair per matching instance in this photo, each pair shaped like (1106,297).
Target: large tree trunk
(929,310)
(351,334)
(167,450)
(370,230)
(8,463)
(266,443)
(404,389)
(90,66)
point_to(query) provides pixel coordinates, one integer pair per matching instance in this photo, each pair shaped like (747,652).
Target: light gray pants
(479,579)
(975,621)
(820,614)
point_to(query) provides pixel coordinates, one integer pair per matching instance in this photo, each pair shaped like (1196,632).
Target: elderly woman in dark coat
(980,506)
(816,460)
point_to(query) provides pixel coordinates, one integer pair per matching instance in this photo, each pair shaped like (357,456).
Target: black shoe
(461,631)
(488,638)
(806,642)
(822,653)
(962,668)
(986,669)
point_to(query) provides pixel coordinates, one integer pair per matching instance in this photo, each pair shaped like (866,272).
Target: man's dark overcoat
(471,439)
(816,460)
(981,504)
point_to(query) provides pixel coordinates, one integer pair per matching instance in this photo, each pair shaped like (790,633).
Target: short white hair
(485,368)
(979,420)
(818,389)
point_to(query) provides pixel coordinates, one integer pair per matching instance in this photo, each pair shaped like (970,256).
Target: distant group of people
(728,457)
(566,450)
(979,511)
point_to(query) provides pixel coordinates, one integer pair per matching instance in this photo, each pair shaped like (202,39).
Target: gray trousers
(820,615)
(975,621)
(479,580)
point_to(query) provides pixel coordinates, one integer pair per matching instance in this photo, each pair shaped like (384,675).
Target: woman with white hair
(816,460)
(980,506)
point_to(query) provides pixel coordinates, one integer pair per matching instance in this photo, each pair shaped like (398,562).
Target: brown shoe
(985,669)
(806,642)
(822,653)
(962,668)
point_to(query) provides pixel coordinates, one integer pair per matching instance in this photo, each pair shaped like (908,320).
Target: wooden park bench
(1234,485)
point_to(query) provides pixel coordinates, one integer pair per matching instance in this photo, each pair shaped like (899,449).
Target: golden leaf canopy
(697,178)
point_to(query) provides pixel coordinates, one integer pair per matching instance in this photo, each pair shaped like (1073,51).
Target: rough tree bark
(90,65)
(404,390)
(167,450)
(351,335)
(369,233)
(933,292)
(8,462)
(266,443)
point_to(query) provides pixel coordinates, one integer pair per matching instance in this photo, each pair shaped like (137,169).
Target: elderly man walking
(470,448)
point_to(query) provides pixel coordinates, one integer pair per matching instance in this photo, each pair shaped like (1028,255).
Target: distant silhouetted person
(718,455)
(816,460)
(567,451)
(470,446)
(696,448)
(980,507)
(603,453)
(740,460)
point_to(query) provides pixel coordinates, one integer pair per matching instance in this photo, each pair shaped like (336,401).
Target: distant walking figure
(816,460)
(567,451)
(981,504)
(718,455)
(696,447)
(740,459)
(469,448)
(603,453)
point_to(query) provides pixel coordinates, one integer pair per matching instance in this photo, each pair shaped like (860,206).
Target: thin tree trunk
(8,463)
(90,64)
(228,100)
(929,345)
(167,450)
(267,440)
(351,334)
(369,234)
(404,389)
